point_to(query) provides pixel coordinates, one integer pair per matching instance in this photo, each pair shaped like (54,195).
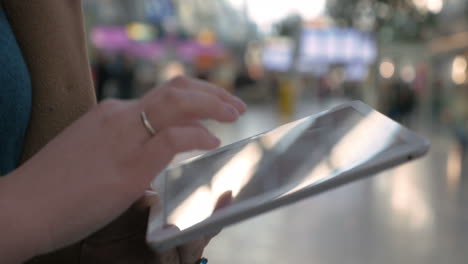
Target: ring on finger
(147,124)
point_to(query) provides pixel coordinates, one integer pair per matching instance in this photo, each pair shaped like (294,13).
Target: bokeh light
(387,68)
(459,70)
(408,73)
(266,12)
(435,6)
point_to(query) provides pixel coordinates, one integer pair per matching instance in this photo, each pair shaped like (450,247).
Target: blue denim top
(15,97)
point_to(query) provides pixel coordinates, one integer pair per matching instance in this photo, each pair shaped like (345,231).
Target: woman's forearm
(19,226)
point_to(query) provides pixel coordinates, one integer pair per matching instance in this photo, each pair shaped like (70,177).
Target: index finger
(187,83)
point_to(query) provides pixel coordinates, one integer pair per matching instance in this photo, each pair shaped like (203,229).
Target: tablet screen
(276,163)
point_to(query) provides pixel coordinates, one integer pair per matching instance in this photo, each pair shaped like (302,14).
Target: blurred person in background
(101,73)
(126,76)
(437,101)
(70,167)
(456,114)
(401,101)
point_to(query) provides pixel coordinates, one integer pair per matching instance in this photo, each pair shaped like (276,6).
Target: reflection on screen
(277,163)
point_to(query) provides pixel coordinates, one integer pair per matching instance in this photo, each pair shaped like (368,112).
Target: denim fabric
(15,97)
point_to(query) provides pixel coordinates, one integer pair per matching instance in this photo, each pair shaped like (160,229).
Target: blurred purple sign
(337,46)
(116,40)
(192,49)
(277,54)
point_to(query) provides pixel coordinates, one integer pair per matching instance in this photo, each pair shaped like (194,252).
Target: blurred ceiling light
(267,12)
(408,73)
(459,67)
(435,6)
(387,69)
(238,3)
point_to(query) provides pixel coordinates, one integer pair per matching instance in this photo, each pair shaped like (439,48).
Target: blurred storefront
(376,51)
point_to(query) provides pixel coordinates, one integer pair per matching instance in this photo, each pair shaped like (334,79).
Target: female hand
(102,163)
(192,251)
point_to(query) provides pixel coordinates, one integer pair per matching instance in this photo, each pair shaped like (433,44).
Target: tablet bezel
(416,147)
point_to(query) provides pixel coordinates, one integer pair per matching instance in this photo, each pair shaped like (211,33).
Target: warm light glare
(459,63)
(193,210)
(459,78)
(387,69)
(238,172)
(459,70)
(232,177)
(454,169)
(408,73)
(420,3)
(435,6)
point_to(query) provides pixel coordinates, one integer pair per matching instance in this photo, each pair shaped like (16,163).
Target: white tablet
(276,168)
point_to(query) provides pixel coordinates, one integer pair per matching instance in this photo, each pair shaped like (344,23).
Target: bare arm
(19,233)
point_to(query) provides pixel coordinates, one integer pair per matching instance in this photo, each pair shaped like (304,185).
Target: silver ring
(147,124)
(202,261)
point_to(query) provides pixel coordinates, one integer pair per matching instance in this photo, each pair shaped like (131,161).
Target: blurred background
(290,59)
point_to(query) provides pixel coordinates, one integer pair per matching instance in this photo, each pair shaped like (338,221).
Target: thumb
(150,199)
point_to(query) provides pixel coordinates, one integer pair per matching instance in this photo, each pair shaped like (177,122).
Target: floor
(415,213)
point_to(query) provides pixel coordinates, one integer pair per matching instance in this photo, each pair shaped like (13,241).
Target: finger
(150,199)
(192,251)
(167,257)
(183,139)
(220,92)
(175,106)
(223,201)
(170,256)
(171,141)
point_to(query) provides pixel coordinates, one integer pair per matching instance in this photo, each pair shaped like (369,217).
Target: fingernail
(241,103)
(239,100)
(232,110)
(215,140)
(151,193)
